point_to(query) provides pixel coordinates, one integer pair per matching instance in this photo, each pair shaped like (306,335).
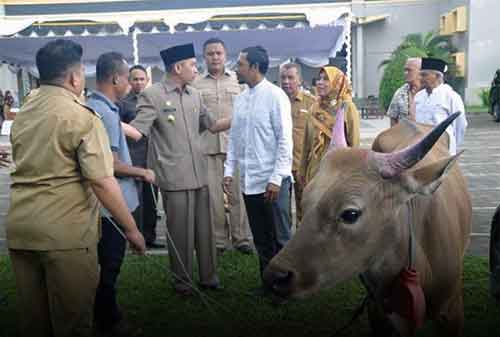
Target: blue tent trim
(146,5)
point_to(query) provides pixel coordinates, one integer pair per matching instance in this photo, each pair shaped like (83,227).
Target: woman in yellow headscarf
(334,92)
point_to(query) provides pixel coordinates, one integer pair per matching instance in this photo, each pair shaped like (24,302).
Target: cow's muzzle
(280,282)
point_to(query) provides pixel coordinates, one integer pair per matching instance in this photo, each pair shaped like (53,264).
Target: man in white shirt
(438,100)
(260,144)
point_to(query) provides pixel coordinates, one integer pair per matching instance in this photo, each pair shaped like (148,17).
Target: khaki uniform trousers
(55,291)
(238,229)
(190,228)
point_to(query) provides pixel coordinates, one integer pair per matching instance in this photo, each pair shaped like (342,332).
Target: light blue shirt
(111,120)
(260,138)
(436,107)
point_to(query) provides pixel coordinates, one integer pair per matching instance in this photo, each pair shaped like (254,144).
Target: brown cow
(356,221)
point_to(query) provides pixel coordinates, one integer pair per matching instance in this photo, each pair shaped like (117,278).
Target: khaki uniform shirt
(218,96)
(58,146)
(174,120)
(301,107)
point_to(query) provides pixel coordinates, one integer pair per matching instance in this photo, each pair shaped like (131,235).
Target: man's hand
(4,157)
(222,124)
(226,185)
(272,192)
(131,132)
(301,179)
(136,241)
(149,176)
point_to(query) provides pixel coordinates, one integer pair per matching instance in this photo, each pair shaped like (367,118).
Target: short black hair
(213,40)
(257,56)
(55,58)
(138,67)
(109,65)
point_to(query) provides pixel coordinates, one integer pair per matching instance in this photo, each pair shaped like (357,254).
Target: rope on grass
(189,283)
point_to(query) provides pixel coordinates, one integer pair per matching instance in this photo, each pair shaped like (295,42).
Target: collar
(61,91)
(227,73)
(101,97)
(170,85)
(132,95)
(436,89)
(300,96)
(261,84)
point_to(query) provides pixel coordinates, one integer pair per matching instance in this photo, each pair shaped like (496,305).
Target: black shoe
(215,286)
(245,249)
(120,329)
(154,245)
(278,300)
(260,292)
(184,291)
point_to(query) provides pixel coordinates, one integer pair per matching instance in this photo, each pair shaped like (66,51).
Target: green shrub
(392,79)
(484,95)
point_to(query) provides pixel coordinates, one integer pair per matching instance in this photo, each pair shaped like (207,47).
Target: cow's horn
(338,132)
(392,164)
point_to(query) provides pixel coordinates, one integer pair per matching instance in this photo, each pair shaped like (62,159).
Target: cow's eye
(350,216)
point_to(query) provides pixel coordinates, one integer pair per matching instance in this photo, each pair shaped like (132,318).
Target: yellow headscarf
(341,87)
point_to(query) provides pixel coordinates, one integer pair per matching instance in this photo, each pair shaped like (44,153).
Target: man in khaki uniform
(63,162)
(301,101)
(172,115)
(218,88)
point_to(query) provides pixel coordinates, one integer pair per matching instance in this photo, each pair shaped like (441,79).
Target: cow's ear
(426,179)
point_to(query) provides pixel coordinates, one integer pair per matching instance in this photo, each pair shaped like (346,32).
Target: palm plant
(428,44)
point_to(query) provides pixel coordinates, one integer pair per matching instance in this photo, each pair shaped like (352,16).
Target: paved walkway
(480,164)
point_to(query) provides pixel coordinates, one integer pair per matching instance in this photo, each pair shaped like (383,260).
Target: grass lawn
(148,298)
(476,109)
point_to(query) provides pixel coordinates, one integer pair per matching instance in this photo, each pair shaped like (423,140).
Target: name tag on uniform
(6,126)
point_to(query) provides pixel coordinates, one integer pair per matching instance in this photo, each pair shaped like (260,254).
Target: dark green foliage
(484,95)
(392,79)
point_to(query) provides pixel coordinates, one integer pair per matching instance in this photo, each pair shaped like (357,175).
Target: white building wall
(483,48)
(382,37)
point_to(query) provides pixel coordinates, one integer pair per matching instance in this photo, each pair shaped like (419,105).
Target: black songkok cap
(177,53)
(434,64)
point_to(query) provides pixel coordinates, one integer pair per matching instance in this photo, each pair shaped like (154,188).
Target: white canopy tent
(323,31)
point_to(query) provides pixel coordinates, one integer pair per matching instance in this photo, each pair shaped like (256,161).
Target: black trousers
(111,251)
(270,228)
(145,214)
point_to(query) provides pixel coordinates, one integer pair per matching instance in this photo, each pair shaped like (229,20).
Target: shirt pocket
(231,94)
(209,97)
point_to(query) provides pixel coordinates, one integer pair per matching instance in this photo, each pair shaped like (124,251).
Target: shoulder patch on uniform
(88,108)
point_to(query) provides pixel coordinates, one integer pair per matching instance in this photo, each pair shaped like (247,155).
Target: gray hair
(439,75)
(295,66)
(416,60)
